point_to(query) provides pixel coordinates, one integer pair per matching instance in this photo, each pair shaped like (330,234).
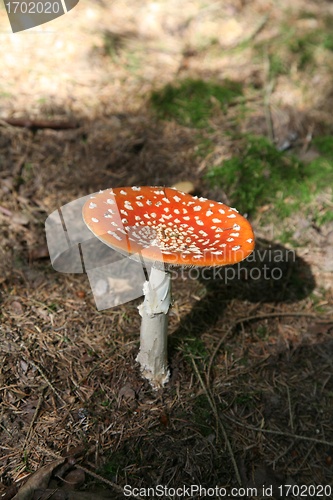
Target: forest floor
(237,98)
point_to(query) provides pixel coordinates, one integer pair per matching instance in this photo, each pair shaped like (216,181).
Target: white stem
(154,327)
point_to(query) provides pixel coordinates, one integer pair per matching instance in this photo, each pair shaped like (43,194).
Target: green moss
(324,144)
(262,332)
(194,347)
(262,175)
(303,47)
(259,175)
(277,66)
(191,102)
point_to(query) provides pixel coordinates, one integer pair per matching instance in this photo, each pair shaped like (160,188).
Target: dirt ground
(250,400)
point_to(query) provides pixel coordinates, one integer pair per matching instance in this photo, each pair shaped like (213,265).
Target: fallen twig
(219,421)
(35,124)
(280,433)
(282,314)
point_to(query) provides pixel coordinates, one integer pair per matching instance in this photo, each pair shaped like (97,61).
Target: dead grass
(251,394)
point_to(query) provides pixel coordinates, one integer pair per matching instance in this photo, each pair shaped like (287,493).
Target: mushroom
(163,227)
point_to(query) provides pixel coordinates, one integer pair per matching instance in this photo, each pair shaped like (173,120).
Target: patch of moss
(194,347)
(277,66)
(324,144)
(262,175)
(259,175)
(191,102)
(303,47)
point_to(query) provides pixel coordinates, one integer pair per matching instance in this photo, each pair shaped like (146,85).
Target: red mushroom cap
(183,229)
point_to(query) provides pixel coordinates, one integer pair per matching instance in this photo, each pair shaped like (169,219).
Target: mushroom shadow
(272,273)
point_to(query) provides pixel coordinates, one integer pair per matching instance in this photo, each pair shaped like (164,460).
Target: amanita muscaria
(165,227)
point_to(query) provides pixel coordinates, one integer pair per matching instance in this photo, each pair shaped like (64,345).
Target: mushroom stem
(153,334)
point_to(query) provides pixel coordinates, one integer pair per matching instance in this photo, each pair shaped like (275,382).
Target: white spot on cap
(176,198)
(176,211)
(216,220)
(236,227)
(231,216)
(230,239)
(208,213)
(250,240)
(135,188)
(115,235)
(159,192)
(137,217)
(128,205)
(237,247)
(186,218)
(92,205)
(123,192)
(94,219)
(139,203)
(221,211)
(123,212)
(110,201)
(200,223)
(234,234)
(197,208)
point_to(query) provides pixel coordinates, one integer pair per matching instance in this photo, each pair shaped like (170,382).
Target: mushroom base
(154,327)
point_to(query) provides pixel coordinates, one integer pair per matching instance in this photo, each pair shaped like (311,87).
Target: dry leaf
(74,479)
(16,307)
(127,393)
(38,480)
